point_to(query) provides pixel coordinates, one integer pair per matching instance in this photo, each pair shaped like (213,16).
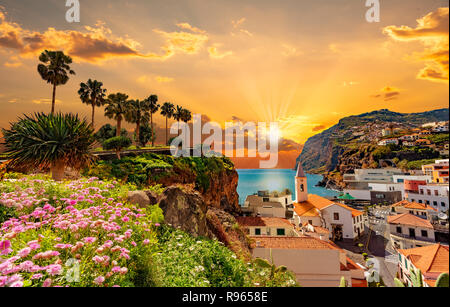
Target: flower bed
(81,234)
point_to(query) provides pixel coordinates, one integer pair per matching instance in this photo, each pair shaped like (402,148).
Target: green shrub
(117,143)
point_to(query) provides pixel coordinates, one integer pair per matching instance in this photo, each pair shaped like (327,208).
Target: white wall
(359,194)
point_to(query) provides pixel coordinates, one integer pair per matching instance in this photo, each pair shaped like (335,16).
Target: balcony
(416,238)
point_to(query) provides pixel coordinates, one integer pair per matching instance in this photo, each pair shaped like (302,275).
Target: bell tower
(301,185)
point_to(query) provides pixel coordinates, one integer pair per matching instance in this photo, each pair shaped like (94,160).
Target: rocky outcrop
(139,198)
(185,210)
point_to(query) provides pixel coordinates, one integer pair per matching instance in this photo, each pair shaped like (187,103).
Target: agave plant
(53,141)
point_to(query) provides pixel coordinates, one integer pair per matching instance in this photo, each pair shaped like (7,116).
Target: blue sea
(254,180)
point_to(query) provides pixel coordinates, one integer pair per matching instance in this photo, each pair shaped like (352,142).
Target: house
(314,262)
(420,210)
(385,193)
(439,171)
(410,137)
(410,231)
(267,204)
(267,226)
(343,222)
(423,142)
(409,143)
(388,142)
(425,133)
(440,128)
(431,260)
(434,195)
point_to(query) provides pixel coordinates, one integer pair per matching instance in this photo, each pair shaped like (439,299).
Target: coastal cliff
(352,144)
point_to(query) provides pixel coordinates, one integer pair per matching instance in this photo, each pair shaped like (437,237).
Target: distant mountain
(322,152)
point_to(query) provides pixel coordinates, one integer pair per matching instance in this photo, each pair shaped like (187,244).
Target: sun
(275,134)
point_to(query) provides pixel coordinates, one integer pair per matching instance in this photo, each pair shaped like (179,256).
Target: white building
(388,142)
(315,263)
(267,204)
(410,231)
(341,221)
(362,177)
(267,226)
(434,195)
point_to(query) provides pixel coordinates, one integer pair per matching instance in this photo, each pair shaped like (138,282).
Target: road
(380,247)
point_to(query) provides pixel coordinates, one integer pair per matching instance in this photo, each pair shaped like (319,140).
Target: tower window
(302,188)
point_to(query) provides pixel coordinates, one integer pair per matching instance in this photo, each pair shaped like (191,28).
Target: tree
(93,94)
(138,114)
(186,116)
(107,132)
(117,108)
(55,70)
(154,107)
(178,115)
(117,143)
(167,110)
(145,135)
(54,141)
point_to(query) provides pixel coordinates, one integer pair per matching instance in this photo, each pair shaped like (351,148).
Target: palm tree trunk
(138,133)
(118,154)
(119,126)
(167,137)
(93,116)
(54,99)
(178,128)
(57,170)
(151,121)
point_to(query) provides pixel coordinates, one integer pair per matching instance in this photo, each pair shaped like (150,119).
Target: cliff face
(340,149)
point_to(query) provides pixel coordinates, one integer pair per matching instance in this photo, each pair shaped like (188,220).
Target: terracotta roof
(304,243)
(409,219)
(413,205)
(263,222)
(355,212)
(308,208)
(359,283)
(319,230)
(432,260)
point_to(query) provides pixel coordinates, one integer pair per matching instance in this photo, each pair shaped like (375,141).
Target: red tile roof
(263,222)
(409,219)
(316,202)
(413,205)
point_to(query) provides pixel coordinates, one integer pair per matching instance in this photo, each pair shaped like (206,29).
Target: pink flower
(37,276)
(146,242)
(99,280)
(47,283)
(4,245)
(24,252)
(90,240)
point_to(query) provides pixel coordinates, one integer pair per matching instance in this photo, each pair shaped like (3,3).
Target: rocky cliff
(351,144)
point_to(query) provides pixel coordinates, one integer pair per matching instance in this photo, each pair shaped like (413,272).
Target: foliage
(107,132)
(43,140)
(93,94)
(145,135)
(141,170)
(86,223)
(439,139)
(117,143)
(185,261)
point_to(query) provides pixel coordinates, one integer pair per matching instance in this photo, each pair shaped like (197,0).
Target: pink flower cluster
(98,232)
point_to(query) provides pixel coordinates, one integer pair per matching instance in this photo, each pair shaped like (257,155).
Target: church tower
(301,185)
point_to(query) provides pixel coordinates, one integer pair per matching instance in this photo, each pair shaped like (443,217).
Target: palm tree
(117,108)
(48,140)
(55,70)
(92,93)
(167,110)
(186,116)
(178,115)
(154,107)
(139,113)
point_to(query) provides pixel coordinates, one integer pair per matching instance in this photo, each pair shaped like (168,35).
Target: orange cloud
(388,93)
(98,43)
(433,31)
(216,54)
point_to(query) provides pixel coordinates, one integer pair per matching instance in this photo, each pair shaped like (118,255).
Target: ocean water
(252,181)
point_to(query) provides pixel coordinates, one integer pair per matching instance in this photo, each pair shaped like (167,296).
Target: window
(436,192)
(427,202)
(424,234)
(411,212)
(281,232)
(399,257)
(399,230)
(443,205)
(336,216)
(435,203)
(412,233)
(257,231)
(310,222)
(266,200)
(302,188)
(285,201)
(420,201)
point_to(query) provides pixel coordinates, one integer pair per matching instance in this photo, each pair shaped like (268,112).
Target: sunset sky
(305,64)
